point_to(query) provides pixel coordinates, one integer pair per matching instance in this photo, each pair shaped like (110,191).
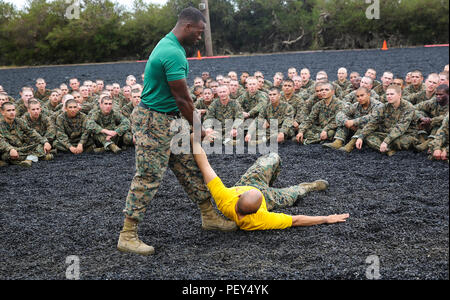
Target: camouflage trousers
(343,133)
(125,139)
(153,156)
(74,142)
(262,174)
(35,149)
(404,142)
(312,135)
(269,135)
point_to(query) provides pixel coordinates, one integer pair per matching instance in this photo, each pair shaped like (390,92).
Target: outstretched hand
(331,219)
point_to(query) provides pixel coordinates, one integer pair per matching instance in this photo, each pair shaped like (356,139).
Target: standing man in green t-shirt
(166,98)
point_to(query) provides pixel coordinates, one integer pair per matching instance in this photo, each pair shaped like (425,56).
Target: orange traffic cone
(385,47)
(199,55)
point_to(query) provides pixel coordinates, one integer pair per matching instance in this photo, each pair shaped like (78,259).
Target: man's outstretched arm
(310,221)
(202,161)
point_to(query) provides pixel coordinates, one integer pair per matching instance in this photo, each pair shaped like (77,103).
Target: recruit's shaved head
(249,202)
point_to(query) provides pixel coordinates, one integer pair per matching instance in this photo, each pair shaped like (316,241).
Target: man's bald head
(249,202)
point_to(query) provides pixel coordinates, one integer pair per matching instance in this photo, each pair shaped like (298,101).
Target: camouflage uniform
(262,174)
(252,103)
(345,85)
(220,112)
(431,109)
(358,114)
(19,136)
(43,97)
(52,109)
(72,131)
(307,90)
(284,113)
(298,104)
(153,156)
(321,118)
(410,90)
(440,141)
(200,104)
(127,110)
(43,125)
(112,121)
(380,90)
(395,127)
(351,98)
(419,97)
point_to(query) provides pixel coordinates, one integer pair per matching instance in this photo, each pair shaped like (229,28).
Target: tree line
(44,33)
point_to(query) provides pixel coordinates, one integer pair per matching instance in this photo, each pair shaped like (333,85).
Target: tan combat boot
(337,144)
(391,152)
(350,146)
(48,157)
(114,148)
(318,185)
(130,242)
(212,221)
(3,164)
(99,150)
(422,147)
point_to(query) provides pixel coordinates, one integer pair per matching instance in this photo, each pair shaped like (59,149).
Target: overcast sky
(128,3)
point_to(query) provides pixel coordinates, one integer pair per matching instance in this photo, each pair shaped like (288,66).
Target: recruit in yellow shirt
(226,199)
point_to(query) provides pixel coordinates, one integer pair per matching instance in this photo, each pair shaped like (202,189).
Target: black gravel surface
(72,206)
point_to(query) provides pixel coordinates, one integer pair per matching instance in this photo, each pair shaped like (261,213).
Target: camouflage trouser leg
(263,174)
(342,133)
(403,142)
(127,139)
(58,145)
(100,140)
(289,135)
(35,149)
(153,157)
(312,135)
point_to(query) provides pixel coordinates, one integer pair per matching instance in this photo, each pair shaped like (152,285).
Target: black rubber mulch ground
(72,206)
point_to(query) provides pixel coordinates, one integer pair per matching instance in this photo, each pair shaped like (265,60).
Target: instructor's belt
(172,113)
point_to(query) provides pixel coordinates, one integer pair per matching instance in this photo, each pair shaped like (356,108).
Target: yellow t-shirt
(226,199)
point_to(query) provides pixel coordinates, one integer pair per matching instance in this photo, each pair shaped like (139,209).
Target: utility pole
(204,8)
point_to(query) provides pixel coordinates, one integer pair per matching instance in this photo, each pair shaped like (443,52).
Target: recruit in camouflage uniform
(351,98)
(393,126)
(344,85)
(252,104)
(360,116)
(220,112)
(434,112)
(411,90)
(43,125)
(284,113)
(127,110)
(71,132)
(19,136)
(419,97)
(97,121)
(307,90)
(441,142)
(321,119)
(43,97)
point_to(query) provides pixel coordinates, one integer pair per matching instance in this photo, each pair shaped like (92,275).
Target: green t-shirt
(166,63)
